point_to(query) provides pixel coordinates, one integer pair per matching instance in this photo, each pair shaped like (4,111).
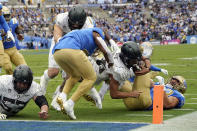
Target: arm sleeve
(4,23)
(154,68)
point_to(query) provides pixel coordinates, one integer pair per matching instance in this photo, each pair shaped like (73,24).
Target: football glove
(10,35)
(160,79)
(3,116)
(164,71)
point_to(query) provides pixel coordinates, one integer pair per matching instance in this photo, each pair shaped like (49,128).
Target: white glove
(3,116)
(160,79)
(10,35)
(164,71)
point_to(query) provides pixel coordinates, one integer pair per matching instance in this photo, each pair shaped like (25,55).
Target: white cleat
(54,103)
(95,99)
(69,110)
(43,84)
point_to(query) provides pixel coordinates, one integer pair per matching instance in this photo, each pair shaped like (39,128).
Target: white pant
(52,63)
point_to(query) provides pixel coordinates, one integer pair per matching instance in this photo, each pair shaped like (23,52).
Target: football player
(71,55)
(6,29)
(173,93)
(76,18)
(11,54)
(17,90)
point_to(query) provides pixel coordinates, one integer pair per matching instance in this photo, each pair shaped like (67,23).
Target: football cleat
(69,110)
(59,100)
(54,103)
(95,99)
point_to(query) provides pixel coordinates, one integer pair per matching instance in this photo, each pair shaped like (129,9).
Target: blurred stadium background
(160,21)
(169,23)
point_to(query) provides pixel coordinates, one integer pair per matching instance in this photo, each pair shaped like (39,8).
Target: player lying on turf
(173,93)
(17,90)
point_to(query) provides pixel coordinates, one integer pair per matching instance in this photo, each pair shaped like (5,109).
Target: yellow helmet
(5,10)
(182,86)
(6,13)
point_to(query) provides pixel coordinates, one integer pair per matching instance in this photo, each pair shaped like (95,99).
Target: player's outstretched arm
(116,94)
(103,48)
(41,101)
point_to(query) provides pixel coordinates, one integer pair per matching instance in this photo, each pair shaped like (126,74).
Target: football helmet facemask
(180,84)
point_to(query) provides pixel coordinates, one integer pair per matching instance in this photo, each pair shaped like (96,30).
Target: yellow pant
(12,55)
(1,53)
(76,64)
(141,83)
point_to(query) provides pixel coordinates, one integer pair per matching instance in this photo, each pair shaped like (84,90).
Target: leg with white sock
(103,90)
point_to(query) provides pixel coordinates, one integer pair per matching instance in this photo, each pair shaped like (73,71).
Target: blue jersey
(170,92)
(8,43)
(3,23)
(79,39)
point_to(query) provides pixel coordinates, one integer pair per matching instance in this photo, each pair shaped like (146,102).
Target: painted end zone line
(67,126)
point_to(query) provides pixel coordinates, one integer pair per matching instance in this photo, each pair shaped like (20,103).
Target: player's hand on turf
(3,116)
(43,114)
(135,94)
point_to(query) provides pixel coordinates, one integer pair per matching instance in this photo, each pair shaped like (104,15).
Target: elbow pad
(41,100)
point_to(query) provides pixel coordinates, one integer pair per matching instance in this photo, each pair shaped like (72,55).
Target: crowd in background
(147,21)
(140,20)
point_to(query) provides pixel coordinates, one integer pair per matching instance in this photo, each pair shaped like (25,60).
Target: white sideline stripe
(146,115)
(161,64)
(191,103)
(194,98)
(71,121)
(182,123)
(190,94)
(190,58)
(183,109)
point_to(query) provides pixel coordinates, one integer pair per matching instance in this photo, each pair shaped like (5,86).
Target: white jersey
(62,22)
(119,71)
(10,101)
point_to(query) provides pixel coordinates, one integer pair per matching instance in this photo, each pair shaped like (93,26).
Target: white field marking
(194,98)
(190,58)
(71,121)
(161,64)
(183,109)
(185,122)
(190,94)
(148,115)
(191,103)
(38,78)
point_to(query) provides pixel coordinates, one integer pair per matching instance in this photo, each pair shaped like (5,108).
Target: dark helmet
(22,74)
(130,51)
(76,16)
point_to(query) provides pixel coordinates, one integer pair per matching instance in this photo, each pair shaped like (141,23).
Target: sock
(46,75)
(63,96)
(103,90)
(93,91)
(71,102)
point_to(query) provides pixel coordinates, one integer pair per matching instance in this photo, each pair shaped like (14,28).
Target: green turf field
(168,57)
